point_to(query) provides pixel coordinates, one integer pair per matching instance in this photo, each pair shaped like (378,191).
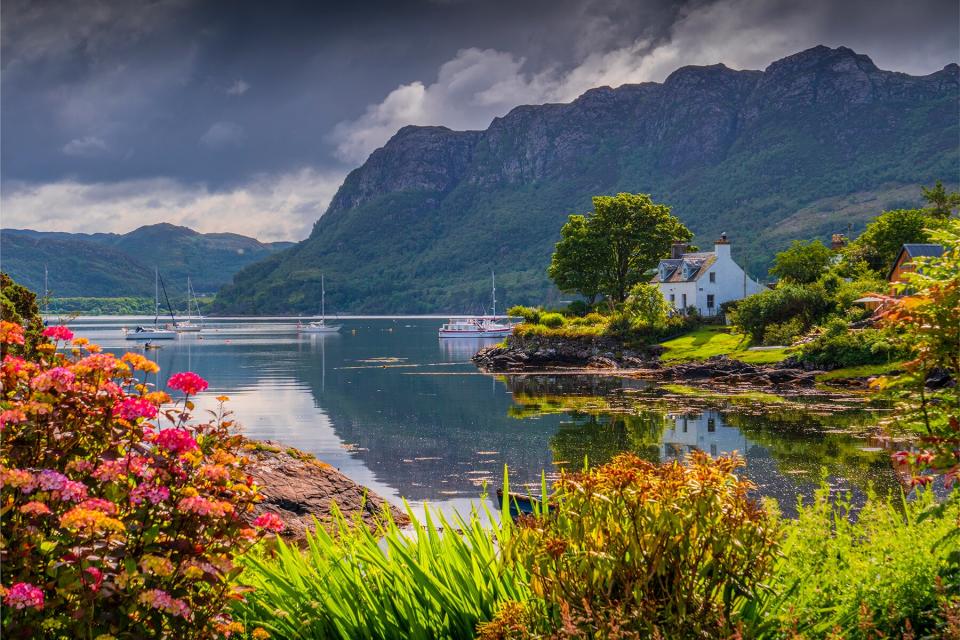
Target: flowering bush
(114,526)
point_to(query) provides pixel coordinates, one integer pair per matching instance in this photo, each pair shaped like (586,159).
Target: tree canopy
(608,250)
(881,241)
(942,203)
(802,263)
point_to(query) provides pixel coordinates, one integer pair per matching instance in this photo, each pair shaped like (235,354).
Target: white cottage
(703,280)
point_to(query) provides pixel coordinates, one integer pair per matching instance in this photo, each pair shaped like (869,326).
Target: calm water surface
(408,415)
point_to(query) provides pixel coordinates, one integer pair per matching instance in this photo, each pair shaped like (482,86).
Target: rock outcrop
(298,488)
(540,352)
(722,370)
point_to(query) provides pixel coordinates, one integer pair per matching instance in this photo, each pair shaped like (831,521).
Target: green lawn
(713,340)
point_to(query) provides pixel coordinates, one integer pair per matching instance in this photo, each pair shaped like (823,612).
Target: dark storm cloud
(262,107)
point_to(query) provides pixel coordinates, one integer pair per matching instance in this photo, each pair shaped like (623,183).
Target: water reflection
(399,410)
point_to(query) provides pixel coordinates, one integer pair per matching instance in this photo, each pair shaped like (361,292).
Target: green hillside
(422,223)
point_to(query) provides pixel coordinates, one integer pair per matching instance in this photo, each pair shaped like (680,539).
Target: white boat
(155,332)
(186,326)
(477,326)
(320,326)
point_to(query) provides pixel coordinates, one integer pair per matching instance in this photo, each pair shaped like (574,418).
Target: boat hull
(333,328)
(478,333)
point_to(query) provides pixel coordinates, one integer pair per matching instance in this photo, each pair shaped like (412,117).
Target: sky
(245,116)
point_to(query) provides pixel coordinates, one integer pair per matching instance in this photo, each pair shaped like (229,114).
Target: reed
(437,578)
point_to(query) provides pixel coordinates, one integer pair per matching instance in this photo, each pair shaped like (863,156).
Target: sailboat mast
(46,293)
(156,296)
(493,281)
(323,300)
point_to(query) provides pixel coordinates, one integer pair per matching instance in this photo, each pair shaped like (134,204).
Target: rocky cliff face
(419,226)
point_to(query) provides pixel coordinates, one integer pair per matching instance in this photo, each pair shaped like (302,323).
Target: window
(709,301)
(711,425)
(713,276)
(684,301)
(673,298)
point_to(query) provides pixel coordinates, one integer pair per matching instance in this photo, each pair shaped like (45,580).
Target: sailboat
(155,332)
(321,326)
(477,326)
(187,326)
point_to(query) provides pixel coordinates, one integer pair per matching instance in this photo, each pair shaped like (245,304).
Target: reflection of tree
(600,437)
(806,444)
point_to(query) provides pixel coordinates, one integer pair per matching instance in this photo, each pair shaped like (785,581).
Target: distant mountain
(113,265)
(817,141)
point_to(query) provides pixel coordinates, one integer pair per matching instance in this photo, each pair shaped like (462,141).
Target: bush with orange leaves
(634,549)
(114,526)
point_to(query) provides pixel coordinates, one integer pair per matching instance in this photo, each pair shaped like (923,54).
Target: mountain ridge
(116,265)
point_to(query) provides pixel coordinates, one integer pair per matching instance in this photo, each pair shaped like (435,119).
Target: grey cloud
(85,147)
(223,135)
(238,88)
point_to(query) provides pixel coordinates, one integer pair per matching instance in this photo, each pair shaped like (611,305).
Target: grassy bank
(713,340)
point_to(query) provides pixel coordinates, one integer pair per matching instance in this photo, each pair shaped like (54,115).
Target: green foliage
(576,265)
(19,305)
(838,346)
(808,304)
(637,548)
(438,580)
(552,320)
(646,305)
(942,203)
(609,250)
(802,263)
(881,241)
(783,333)
(879,575)
(529,314)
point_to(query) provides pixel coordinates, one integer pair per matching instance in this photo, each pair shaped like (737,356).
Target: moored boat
(477,326)
(321,325)
(156,332)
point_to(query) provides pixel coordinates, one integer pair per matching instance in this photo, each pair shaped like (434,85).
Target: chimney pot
(677,249)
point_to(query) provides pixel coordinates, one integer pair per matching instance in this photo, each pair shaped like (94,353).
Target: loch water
(407,414)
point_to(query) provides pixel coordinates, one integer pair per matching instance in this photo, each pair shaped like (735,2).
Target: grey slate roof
(929,250)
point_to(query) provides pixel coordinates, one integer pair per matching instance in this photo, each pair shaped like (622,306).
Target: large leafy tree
(802,263)
(880,242)
(576,266)
(608,250)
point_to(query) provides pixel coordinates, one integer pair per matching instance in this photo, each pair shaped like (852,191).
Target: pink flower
(12,416)
(152,494)
(188,382)
(23,595)
(73,491)
(901,457)
(160,599)
(99,504)
(204,507)
(175,440)
(50,480)
(59,378)
(133,408)
(35,508)
(58,332)
(270,522)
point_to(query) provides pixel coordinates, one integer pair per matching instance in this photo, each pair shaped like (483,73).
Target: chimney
(722,246)
(677,249)
(838,241)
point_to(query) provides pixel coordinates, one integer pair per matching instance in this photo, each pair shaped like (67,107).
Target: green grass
(706,342)
(751,397)
(862,371)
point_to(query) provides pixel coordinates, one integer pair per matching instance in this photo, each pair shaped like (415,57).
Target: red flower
(96,576)
(58,332)
(175,440)
(921,480)
(188,382)
(23,595)
(270,522)
(133,408)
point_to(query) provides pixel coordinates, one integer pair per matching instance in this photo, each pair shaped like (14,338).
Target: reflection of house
(703,280)
(904,262)
(705,432)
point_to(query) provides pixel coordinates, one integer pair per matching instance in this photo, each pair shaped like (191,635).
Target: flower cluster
(188,382)
(122,514)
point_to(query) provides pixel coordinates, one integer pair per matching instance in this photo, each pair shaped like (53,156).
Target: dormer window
(664,271)
(688,270)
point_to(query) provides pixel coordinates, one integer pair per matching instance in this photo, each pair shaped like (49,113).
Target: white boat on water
(156,332)
(186,325)
(321,325)
(477,326)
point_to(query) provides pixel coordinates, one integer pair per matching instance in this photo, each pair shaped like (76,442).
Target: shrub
(552,320)
(529,314)
(646,305)
(349,583)
(591,319)
(783,333)
(883,574)
(637,548)
(112,526)
(809,304)
(838,346)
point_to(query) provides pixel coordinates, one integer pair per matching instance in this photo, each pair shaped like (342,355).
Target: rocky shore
(298,487)
(540,352)
(728,371)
